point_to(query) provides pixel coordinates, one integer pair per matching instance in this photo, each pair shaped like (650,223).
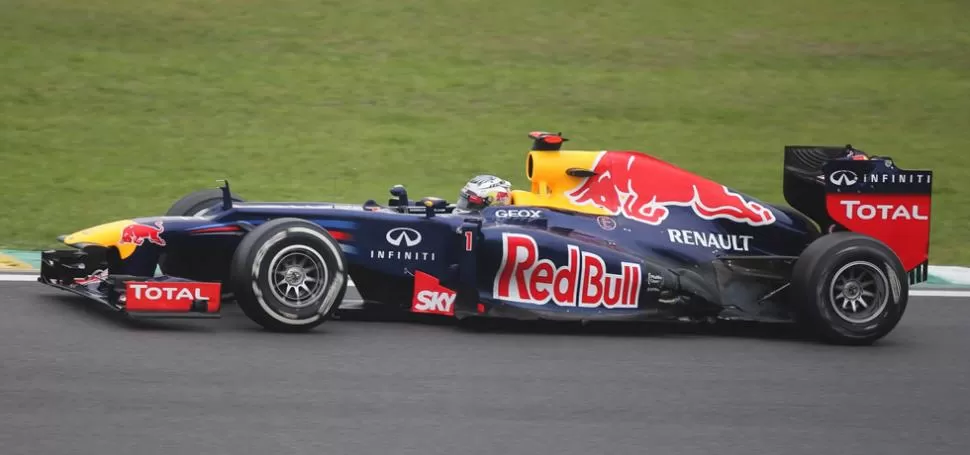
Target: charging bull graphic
(138,233)
(641,188)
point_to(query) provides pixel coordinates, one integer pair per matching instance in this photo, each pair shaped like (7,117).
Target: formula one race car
(600,235)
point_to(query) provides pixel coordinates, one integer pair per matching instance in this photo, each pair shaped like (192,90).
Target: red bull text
(584,282)
(138,233)
(641,188)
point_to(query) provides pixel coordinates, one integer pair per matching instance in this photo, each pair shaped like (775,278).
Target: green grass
(114,108)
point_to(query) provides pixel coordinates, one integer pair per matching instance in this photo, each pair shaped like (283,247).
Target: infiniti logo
(407,236)
(843,178)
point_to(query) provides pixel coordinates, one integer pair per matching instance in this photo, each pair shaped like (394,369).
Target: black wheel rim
(859,292)
(298,276)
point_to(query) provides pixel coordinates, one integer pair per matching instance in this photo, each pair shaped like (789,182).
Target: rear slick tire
(288,275)
(198,203)
(849,289)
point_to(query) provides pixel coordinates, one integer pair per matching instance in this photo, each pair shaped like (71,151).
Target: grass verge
(114,108)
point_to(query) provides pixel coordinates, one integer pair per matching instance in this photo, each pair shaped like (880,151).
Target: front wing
(134,296)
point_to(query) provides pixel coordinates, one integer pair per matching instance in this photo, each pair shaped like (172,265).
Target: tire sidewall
(203,207)
(195,204)
(252,279)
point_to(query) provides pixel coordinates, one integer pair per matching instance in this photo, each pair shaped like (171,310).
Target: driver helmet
(483,191)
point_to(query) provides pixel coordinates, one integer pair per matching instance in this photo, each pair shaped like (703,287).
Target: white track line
(12,277)
(938,293)
(913,292)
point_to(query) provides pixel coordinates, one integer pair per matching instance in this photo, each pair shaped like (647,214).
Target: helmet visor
(470,201)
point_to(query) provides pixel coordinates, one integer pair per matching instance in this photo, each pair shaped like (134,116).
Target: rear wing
(842,188)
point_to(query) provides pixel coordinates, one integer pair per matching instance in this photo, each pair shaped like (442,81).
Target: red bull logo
(641,188)
(137,234)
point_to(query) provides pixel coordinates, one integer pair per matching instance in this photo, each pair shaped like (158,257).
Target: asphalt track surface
(76,381)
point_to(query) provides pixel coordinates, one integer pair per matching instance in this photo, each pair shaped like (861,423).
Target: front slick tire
(849,289)
(288,275)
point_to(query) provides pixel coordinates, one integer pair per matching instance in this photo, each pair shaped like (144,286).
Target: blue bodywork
(685,264)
